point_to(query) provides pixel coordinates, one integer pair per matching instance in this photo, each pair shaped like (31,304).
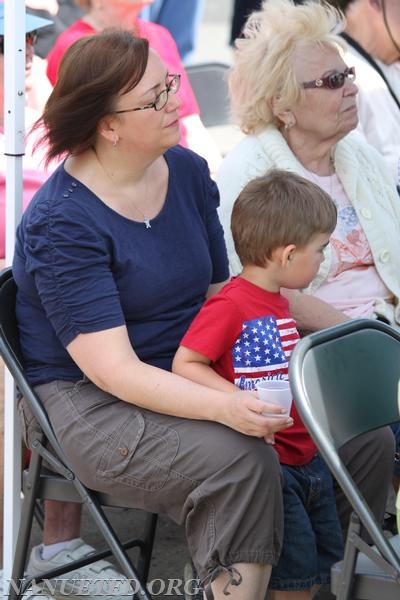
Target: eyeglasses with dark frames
(334,81)
(30,39)
(161,99)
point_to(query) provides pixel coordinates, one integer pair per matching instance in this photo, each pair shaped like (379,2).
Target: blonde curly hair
(262,81)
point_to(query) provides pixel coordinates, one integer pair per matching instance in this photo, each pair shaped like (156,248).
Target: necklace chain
(146,219)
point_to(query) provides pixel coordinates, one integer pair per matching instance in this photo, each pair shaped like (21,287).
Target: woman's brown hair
(93,73)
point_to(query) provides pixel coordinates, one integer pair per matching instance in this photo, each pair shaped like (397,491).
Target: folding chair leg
(111,539)
(349,560)
(39,513)
(146,548)
(25,527)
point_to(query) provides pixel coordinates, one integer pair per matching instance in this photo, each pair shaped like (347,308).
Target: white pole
(14,127)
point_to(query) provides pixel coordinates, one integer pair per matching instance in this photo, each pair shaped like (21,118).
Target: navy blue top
(81,267)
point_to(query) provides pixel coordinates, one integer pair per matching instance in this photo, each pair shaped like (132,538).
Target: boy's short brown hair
(278,209)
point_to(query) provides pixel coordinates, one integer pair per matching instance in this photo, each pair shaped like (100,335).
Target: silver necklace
(146,219)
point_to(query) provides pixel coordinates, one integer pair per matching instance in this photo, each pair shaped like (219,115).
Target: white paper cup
(275,391)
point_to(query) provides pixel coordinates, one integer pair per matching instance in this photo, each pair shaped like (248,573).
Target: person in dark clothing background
(241,10)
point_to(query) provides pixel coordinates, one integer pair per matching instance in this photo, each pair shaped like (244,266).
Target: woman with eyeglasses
(295,98)
(100,14)
(114,256)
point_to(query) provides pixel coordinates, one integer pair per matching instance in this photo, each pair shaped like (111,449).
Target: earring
(115,141)
(289,125)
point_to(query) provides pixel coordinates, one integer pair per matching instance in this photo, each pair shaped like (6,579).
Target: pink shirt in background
(32,180)
(353,284)
(159,39)
(34,174)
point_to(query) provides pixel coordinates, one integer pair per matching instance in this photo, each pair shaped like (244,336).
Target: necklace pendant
(147,222)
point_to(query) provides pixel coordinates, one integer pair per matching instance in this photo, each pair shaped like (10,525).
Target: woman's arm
(108,360)
(197,367)
(310,313)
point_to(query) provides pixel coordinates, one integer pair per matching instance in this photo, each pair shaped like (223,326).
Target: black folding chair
(61,483)
(345,382)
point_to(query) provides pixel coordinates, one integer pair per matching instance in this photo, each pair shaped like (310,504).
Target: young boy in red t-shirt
(281,224)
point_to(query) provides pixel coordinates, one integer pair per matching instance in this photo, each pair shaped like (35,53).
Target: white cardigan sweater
(365,177)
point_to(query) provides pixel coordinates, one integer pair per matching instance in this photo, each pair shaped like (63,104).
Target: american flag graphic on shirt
(263,349)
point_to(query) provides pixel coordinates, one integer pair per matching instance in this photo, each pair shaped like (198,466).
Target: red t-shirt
(249,334)
(159,39)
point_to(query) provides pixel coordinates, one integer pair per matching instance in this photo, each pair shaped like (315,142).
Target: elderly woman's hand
(244,413)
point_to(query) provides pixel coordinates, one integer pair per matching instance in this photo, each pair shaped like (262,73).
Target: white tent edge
(14,127)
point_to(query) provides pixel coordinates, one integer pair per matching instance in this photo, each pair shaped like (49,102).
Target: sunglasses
(30,39)
(334,81)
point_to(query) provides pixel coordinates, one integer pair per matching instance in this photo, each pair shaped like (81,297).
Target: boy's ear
(284,255)
(288,254)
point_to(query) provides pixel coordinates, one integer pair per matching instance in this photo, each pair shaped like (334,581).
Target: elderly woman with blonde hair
(295,99)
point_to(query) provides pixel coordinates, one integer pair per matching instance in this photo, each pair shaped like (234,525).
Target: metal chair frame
(345,382)
(62,483)
(210,87)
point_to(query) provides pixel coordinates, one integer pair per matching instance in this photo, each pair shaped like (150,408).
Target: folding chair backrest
(345,382)
(209,84)
(8,323)
(351,375)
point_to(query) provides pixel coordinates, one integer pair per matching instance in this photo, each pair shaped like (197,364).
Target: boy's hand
(269,439)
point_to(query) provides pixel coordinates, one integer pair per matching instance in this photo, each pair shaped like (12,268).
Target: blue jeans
(312,540)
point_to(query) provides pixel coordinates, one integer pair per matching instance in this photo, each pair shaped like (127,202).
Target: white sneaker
(96,579)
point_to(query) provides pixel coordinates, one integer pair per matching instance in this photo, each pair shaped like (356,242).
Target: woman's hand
(244,413)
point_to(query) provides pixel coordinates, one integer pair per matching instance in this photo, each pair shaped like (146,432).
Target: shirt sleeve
(214,330)
(70,263)
(214,228)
